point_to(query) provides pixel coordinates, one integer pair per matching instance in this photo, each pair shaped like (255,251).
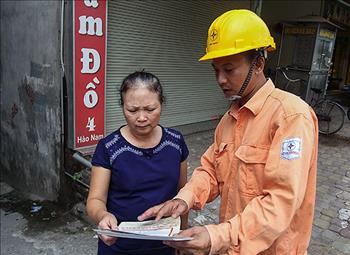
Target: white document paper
(164,229)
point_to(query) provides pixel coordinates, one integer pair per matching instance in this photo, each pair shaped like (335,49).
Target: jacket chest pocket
(223,157)
(251,166)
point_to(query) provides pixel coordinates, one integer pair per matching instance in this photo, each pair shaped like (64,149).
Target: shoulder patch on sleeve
(291,148)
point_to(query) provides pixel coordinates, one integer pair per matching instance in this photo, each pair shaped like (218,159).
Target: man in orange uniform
(263,160)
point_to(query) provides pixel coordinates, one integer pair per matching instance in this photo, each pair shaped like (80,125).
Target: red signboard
(90,28)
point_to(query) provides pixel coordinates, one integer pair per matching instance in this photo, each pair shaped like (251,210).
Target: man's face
(231,72)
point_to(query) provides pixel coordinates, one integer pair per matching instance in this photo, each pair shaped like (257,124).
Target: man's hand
(200,244)
(173,208)
(108,221)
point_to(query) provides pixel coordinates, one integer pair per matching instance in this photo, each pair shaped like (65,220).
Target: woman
(140,165)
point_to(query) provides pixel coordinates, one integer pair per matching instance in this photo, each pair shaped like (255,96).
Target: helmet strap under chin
(247,79)
(245,83)
(261,53)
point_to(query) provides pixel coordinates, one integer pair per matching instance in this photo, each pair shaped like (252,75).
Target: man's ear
(260,64)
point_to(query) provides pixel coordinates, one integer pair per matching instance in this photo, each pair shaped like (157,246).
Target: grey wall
(30,96)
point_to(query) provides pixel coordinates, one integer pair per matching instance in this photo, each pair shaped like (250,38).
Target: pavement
(344,132)
(41,227)
(27,228)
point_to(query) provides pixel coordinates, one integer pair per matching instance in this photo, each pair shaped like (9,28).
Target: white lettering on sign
(96,137)
(91,97)
(91,3)
(82,139)
(91,124)
(91,23)
(86,60)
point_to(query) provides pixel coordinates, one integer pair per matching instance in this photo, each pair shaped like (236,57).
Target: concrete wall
(30,96)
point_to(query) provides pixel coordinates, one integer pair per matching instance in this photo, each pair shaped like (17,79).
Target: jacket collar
(256,103)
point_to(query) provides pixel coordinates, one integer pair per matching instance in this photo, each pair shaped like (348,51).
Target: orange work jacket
(263,166)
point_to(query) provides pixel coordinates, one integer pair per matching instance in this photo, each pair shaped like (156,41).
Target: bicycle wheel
(330,116)
(348,113)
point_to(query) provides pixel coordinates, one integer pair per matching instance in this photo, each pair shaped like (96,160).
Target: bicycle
(330,114)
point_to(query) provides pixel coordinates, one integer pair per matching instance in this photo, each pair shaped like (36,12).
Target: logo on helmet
(214,35)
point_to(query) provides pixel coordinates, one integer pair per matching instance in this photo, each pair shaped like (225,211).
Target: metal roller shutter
(166,38)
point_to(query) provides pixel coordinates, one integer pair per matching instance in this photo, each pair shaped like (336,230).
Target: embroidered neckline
(148,152)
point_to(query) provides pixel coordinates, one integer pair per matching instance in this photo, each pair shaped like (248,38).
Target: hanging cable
(62,21)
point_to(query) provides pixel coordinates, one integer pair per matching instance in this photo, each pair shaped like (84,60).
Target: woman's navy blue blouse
(140,179)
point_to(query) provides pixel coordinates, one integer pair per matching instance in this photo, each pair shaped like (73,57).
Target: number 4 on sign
(91,124)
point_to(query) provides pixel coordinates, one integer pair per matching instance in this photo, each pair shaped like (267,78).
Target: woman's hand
(108,221)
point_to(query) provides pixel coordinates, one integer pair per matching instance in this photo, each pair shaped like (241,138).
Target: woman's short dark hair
(141,78)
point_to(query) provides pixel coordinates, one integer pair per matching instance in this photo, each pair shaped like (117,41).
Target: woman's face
(141,110)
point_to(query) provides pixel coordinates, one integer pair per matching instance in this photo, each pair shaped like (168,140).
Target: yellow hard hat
(237,31)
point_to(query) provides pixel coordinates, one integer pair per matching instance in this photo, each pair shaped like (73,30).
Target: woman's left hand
(108,221)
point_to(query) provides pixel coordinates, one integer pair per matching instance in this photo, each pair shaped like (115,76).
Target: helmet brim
(232,51)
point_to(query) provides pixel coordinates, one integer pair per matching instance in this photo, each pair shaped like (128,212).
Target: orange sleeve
(285,182)
(203,185)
